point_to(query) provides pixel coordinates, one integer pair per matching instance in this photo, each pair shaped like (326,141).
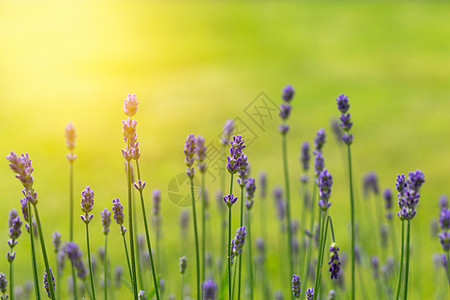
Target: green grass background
(195,64)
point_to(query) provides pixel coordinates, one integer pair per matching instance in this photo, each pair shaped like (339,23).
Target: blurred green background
(195,64)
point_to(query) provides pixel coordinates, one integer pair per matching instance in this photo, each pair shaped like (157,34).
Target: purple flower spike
(118,272)
(228,129)
(141,295)
(320,140)
(408,196)
(235,159)
(325,181)
(262,184)
(346,124)
(296,289)
(319,163)
(201,154)
(87,203)
(370,184)
(75,256)
(56,240)
(14,233)
(156,199)
(209,288)
(3,283)
(444,219)
(387,196)
(285,111)
(334,262)
(46,285)
(130,105)
(190,148)
(288,93)
(443,201)
(444,238)
(21,165)
(342,103)
(243,170)
(305,156)
(309,293)
(139,185)
(230,199)
(106,220)
(117,209)
(375,266)
(24,208)
(238,243)
(279,203)
(71,136)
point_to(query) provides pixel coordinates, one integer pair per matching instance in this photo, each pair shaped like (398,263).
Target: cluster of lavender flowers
(408,193)
(444,224)
(346,124)
(285,108)
(238,243)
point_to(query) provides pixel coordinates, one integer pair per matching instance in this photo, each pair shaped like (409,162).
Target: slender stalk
(130,225)
(320,251)
(147,235)
(250,259)
(288,211)
(197,255)
(203,229)
(182,287)
(44,252)
(74,282)
(303,221)
(74,277)
(11,280)
(105,268)
(394,240)
(222,216)
(234,278)
(138,254)
(240,256)
(127,256)
(58,278)
(408,235)
(352,213)
(311,229)
(229,242)
(89,261)
(401,262)
(448,266)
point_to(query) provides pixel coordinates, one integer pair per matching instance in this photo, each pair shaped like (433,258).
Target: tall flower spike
(250,191)
(56,240)
(156,199)
(118,214)
(288,93)
(24,208)
(75,256)
(235,159)
(334,262)
(130,105)
(190,148)
(370,184)
(87,203)
(21,165)
(71,136)
(305,156)
(228,129)
(319,163)
(346,124)
(106,220)
(408,194)
(320,140)
(296,289)
(325,181)
(46,284)
(183,264)
(243,171)
(201,154)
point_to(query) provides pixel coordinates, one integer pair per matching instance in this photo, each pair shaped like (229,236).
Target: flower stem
(105,268)
(240,256)
(322,240)
(58,278)
(197,255)
(408,234)
(311,229)
(147,235)
(203,228)
(33,253)
(352,213)
(89,261)
(229,242)
(138,254)
(74,277)
(401,262)
(11,280)
(288,211)
(44,252)
(127,256)
(74,282)
(250,259)
(130,225)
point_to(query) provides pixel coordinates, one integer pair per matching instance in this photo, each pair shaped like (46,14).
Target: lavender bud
(443,201)
(106,220)
(375,266)
(14,230)
(3,283)
(118,272)
(71,136)
(156,199)
(56,240)
(304,156)
(23,169)
(46,284)
(209,288)
(288,93)
(235,157)
(75,256)
(262,184)
(183,264)
(60,258)
(279,203)
(309,293)
(130,105)
(190,148)
(24,208)
(319,163)
(250,190)
(444,238)
(370,184)
(325,181)
(319,140)
(201,154)
(11,216)
(117,209)
(283,128)
(285,111)
(334,262)
(296,289)
(87,203)
(444,219)
(230,199)
(408,196)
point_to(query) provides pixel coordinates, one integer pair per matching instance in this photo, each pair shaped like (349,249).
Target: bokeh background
(195,64)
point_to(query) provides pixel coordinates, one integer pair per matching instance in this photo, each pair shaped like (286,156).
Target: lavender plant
(14,232)
(87,204)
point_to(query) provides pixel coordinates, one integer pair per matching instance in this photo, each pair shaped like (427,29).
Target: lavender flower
(285,111)
(336,128)
(262,184)
(118,272)
(334,262)
(319,163)
(387,195)
(130,105)
(346,124)
(3,283)
(87,203)
(201,154)
(444,219)
(279,203)
(60,259)
(283,128)
(71,136)
(75,256)
(408,196)
(443,201)
(117,209)
(375,266)
(305,156)
(14,231)
(235,157)
(288,93)
(296,289)
(228,129)
(56,240)
(106,220)
(24,208)
(230,199)
(190,148)
(183,264)
(250,191)
(325,181)
(156,199)
(46,285)
(238,243)
(131,150)
(243,171)
(309,293)
(320,140)
(370,184)
(184,220)
(23,169)
(209,290)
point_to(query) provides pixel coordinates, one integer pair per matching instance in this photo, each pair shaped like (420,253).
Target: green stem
(203,229)
(222,214)
(33,253)
(311,230)
(322,250)
(147,235)
(11,280)
(234,278)
(127,256)
(401,262)
(44,252)
(138,254)
(240,256)
(288,211)
(197,255)
(130,225)
(58,278)
(250,259)
(229,242)
(89,261)
(74,282)
(352,213)
(319,251)
(182,287)
(74,278)
(105,268)
(394,240)
(303,220)
(448,266)
(408,234)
